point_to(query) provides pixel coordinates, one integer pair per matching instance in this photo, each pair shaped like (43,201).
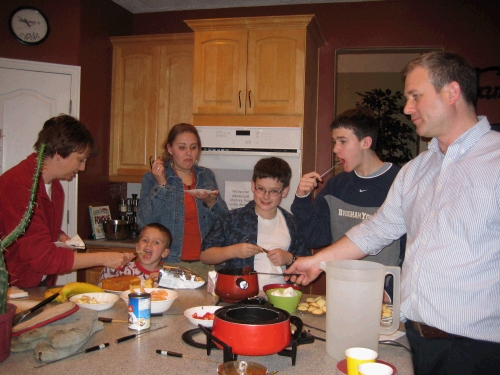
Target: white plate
(201,310)
(104,300)
(194,191)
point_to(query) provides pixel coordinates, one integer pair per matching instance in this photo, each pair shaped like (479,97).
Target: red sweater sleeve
(34,254)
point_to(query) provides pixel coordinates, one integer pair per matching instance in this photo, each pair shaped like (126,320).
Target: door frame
(75,73)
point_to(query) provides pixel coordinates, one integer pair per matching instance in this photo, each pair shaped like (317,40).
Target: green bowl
(288,304)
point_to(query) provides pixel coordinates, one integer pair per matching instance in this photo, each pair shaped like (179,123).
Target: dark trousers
(453,356)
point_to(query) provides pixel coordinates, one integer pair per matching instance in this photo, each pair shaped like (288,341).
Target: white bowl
(156,306)
(201,310)
(103,300)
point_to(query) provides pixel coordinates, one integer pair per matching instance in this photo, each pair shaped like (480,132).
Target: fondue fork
(328,171)
(88,350)
(180,355)
(277,274)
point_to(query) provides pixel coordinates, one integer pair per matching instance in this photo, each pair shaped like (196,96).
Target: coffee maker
(128,211)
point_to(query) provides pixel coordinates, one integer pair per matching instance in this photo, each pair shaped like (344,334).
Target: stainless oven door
(233,171)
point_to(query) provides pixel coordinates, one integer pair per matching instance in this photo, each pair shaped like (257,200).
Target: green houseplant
(395,136)
(6,316)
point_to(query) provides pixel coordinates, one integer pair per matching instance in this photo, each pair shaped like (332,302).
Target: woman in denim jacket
(165,197)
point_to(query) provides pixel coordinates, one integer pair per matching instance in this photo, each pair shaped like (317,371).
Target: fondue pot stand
(252,330)
(235,284)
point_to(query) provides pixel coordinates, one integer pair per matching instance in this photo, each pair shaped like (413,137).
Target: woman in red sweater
(34,259)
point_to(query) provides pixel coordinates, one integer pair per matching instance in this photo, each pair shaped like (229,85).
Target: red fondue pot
(254,330)
(235,284)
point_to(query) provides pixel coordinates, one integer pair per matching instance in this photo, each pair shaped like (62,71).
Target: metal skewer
(331,169)
(180,355)
(125,338)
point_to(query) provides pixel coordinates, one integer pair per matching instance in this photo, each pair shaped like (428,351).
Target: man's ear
(453,92)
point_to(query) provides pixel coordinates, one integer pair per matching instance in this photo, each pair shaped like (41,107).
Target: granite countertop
(138,356)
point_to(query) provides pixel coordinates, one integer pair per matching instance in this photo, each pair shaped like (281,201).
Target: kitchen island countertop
(138,356)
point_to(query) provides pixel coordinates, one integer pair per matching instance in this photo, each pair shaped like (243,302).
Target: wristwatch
(294,258)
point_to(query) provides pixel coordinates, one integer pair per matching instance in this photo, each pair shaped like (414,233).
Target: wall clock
(29,25)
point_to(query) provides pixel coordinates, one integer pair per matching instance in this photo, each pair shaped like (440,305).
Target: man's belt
(432,332)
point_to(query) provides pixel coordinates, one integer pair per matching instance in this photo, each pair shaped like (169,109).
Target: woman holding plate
(183,196)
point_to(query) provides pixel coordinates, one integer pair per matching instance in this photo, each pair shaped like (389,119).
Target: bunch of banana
(72,289)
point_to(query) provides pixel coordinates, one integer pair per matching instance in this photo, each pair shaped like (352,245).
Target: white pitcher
(354,294)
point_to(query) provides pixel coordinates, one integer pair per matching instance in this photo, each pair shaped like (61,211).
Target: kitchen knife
(35,310)
(88,350)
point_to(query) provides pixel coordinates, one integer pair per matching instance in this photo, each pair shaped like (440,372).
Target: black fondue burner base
(188,338)
(291,351)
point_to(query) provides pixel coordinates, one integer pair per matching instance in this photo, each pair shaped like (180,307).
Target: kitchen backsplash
(133,188)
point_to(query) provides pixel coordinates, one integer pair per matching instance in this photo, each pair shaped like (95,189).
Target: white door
(31,93)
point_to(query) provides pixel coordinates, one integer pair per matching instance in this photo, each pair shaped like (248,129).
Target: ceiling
(151,6)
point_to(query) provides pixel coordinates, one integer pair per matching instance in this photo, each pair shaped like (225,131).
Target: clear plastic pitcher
(354,295)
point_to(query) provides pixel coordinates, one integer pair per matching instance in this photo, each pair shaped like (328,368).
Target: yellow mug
(357,356)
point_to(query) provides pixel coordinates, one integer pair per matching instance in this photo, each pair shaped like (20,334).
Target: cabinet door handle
(249,99)
(239,97)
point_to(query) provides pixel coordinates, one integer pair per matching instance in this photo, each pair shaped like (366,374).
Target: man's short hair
(444,68)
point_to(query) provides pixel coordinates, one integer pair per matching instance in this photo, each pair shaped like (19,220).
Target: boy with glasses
(261,234)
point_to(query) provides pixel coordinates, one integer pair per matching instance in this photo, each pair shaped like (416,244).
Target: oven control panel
(250,137)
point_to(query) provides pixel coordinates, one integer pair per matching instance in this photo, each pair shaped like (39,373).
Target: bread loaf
(121,283)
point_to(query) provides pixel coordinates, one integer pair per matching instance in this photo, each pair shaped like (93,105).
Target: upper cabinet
(256,71)
(151,92)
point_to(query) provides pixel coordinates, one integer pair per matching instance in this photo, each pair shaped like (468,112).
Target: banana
(72,289)
(51,291)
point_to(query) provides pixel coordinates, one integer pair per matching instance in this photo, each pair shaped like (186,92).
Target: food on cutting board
(72,289)
(314,305)
(206,316)
(121,283)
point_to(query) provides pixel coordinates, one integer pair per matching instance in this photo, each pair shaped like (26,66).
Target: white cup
(374,369)
(358,356)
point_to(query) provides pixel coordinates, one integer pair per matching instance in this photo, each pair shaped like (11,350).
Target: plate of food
(95,301)
(161,299)
(200,193)
(119,284)
(203,315)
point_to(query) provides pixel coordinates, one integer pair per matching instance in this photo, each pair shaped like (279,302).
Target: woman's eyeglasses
(273,193)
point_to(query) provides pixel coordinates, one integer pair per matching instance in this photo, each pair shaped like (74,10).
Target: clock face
(29,25)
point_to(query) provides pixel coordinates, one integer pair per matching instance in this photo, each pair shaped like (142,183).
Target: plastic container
(354,293)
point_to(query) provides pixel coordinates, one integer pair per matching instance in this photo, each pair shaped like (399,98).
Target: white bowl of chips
(161,298)
(95,301)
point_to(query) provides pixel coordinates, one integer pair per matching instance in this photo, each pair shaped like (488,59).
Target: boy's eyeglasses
(272,193)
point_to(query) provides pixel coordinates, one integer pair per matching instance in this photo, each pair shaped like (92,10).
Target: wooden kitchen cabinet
(255,71)
(151,92)
(91,275)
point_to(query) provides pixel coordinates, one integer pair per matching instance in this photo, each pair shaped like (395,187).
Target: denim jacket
(240,225)
(165,205)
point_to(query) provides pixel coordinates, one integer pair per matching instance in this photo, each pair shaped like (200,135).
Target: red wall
(79,35)
(469,27)
(80,31)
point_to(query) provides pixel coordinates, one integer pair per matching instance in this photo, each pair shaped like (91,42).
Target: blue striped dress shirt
(449,206)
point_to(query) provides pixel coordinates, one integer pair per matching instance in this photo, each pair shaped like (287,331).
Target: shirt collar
(463,143)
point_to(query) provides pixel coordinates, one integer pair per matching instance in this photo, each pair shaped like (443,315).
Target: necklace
(183,171)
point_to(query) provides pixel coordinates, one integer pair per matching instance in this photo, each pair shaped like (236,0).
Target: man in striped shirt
(447,201)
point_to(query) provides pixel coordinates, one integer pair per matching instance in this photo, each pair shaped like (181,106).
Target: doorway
(31,93)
